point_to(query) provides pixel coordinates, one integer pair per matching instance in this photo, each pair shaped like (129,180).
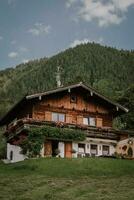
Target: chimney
(58,76)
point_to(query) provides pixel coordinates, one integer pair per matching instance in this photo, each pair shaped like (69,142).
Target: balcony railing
(94,132)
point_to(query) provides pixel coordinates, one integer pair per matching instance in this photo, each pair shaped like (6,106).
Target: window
(81,148)
(73,99)
(89,121)
(11,155)
(85,120)
(105,150)
(93,149)
(58,117)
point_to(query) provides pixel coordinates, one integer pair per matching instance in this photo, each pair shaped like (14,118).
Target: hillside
(68,179)
(109,70)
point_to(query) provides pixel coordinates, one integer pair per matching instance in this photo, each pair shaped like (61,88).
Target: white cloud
(69,3)
(25,61)
(85,41)
(39,29)
(123,5)
(13,54)
(20,51)
(23,49)
(104,12)
(1,38)
(77,42)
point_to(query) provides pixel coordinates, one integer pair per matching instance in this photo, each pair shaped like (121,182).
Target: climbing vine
(32,144)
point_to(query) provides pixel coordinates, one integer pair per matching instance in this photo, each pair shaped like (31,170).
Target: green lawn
(68,179)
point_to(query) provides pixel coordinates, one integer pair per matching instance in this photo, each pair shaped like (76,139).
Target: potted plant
(73,153)
(57,152)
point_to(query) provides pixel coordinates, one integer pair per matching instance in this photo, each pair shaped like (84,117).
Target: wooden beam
(40,98)
(117,108)
(91,93)
(69,90)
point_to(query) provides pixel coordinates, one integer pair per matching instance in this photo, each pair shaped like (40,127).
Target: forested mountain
(109,70)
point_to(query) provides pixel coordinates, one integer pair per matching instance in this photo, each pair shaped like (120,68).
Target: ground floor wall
(87,148)
(14,153)
(96,147)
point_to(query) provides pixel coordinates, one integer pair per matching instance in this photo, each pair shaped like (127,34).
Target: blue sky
(31,29)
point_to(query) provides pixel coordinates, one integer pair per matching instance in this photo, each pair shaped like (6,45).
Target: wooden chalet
(76,107)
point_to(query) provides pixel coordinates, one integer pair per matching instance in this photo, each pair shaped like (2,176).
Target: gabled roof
(12,112)
(89,89)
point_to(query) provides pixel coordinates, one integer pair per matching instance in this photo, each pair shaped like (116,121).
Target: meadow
(68,179)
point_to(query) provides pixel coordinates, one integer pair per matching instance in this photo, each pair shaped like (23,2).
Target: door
(48,148)
(68,149)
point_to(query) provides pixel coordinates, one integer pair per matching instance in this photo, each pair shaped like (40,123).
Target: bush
(32,145)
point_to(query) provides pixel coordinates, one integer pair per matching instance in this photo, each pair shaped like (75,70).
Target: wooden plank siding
(68,150)
(74,112)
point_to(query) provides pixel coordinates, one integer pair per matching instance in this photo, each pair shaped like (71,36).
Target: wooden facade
(75,105)
(74,111)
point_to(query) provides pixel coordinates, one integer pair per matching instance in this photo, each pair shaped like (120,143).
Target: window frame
(11,155)
(94,149)
(58,117)
(89,121)
(106,150)
(73,100)
(81,148)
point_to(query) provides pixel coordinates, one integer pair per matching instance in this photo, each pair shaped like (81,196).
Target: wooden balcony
(93,132)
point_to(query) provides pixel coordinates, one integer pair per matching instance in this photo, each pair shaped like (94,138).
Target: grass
(67,179)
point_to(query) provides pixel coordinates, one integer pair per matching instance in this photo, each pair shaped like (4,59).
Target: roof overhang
(11,114)
(89,89)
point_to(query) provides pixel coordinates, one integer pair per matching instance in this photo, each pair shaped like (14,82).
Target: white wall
(112,150)
(100,143)
(87,148)
(42,151)
(61,148)
(75,147)
(100,149)
(17,156)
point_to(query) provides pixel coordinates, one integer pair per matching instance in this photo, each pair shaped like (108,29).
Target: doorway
(68,149)
(51,148)
(48,148)
(55,149)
